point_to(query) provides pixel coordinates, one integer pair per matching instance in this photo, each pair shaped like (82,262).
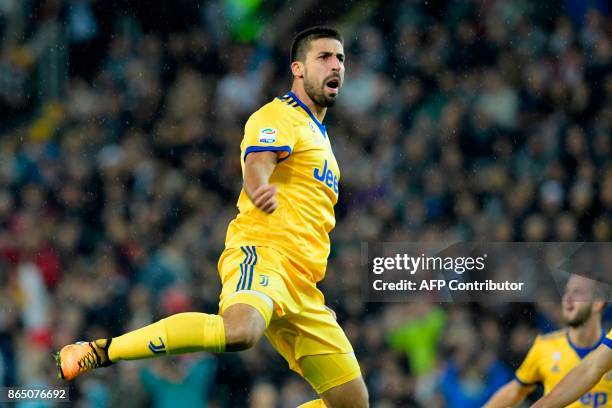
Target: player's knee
(243,325)
(240,338)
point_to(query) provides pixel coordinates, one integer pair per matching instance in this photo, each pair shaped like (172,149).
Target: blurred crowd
(458,120)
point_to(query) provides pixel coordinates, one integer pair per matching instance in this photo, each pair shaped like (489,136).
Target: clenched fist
(264,198)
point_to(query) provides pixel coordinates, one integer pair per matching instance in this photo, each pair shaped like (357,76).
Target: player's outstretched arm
(579,380)
(509,395)
(258,168)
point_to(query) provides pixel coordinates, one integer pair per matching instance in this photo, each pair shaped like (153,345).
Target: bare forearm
(509,395)
(503,399)
(258,169)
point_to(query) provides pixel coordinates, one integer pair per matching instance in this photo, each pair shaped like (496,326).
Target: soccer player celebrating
(276,248)
(582,378)
(553,355)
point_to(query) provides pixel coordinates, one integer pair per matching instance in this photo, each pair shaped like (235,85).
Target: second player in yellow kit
(593,370)
(551,357)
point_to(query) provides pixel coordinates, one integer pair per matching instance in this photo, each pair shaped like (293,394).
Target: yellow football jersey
(306,178)
(551,357)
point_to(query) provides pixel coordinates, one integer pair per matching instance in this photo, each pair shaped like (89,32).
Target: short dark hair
(302,40)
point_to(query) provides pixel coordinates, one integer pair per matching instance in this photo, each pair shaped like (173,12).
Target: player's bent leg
(336,378)
(176,334)
(243,322)
(246,314)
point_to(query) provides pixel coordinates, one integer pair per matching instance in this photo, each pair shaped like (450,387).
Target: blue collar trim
(582,352)
(309,112)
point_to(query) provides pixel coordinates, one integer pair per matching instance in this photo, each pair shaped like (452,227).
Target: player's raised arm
(510,395)
(258,168)
(580,380)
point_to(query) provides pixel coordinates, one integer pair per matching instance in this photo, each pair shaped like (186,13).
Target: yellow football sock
(318,403)
(176,334)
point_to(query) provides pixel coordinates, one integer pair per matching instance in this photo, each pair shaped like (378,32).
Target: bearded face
(322,92)
(323,71)
(578,315)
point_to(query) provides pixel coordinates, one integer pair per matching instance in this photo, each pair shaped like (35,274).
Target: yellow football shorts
(301,329)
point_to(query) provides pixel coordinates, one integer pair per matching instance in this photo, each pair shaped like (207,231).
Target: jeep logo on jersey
(327,177)
(267,135)
(594,399)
